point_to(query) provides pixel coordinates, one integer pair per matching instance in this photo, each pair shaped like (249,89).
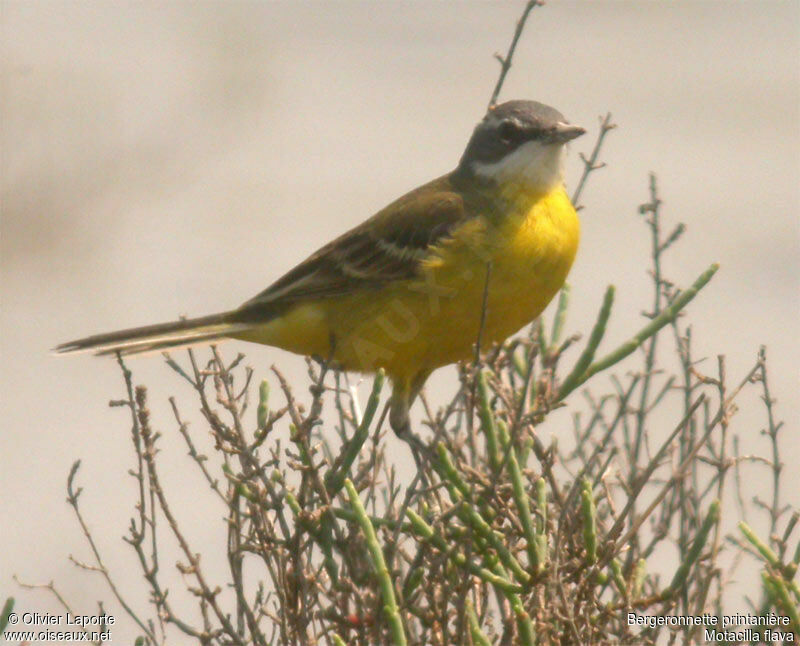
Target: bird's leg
(402,398)
(419,450)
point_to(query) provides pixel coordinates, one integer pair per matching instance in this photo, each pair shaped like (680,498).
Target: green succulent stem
(586,357)
(262,412)
(667,315)
(711,519)
(335,479)
(390,608)
(460,495)
(589,515)
(521,499)
(487,419)
(426,532)
(478,636)
(560,316)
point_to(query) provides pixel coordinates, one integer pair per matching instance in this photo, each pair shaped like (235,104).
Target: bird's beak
(564,132)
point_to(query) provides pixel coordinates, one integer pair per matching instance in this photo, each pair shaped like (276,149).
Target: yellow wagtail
(406,290)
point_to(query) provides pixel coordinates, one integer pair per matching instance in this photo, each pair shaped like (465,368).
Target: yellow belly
(413,327)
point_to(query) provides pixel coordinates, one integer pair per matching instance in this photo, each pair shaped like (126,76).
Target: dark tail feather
(156,337)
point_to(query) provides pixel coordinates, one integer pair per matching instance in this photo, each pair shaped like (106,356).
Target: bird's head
(519,143)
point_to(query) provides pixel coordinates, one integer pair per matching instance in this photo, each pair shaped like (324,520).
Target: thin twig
(505,61)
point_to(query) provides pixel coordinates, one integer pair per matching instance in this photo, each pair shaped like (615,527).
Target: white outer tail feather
(156,337)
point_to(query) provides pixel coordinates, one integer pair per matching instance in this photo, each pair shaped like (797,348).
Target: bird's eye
(508,131)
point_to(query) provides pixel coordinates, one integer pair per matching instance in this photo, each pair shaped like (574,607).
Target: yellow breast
(534,253)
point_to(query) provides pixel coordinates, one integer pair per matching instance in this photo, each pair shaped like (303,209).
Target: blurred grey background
(175,158)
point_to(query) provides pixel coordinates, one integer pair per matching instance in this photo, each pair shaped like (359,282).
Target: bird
(478,252)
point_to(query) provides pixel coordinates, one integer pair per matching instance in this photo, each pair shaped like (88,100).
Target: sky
(160,159)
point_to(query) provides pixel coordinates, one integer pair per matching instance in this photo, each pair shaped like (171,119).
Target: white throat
(533,165)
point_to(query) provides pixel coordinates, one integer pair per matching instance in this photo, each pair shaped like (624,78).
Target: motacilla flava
(404,291)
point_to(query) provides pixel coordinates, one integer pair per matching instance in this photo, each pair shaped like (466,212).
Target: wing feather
(388,247)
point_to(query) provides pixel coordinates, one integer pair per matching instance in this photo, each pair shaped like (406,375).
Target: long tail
(157,337)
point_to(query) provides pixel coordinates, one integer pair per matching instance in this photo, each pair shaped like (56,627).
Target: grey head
(515,135)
